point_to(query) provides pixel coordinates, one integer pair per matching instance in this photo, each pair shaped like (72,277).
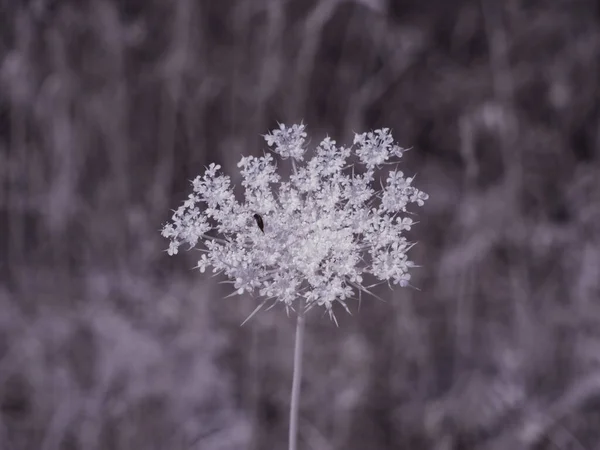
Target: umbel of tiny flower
(326,233)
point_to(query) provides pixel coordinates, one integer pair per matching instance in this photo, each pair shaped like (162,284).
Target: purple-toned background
(109,107)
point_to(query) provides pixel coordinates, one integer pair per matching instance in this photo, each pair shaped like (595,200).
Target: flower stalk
(297,380)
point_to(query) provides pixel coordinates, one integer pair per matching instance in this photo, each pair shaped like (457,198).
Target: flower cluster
(312,237)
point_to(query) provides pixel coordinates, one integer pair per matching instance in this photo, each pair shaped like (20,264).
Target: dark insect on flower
(259,222)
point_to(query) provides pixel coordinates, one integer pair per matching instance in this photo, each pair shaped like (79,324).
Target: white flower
(288,142)
(376,147)
(325,229)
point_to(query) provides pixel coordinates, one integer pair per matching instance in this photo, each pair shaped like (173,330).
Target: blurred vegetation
(109,107)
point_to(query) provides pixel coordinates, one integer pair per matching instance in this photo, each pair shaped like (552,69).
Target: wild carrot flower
(316,237)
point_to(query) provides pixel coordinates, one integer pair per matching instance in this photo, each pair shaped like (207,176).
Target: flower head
(313,237)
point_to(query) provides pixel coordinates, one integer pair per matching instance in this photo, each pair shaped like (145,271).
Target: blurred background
(109,107)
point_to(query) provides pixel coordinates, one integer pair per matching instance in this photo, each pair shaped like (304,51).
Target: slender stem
(295,403)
